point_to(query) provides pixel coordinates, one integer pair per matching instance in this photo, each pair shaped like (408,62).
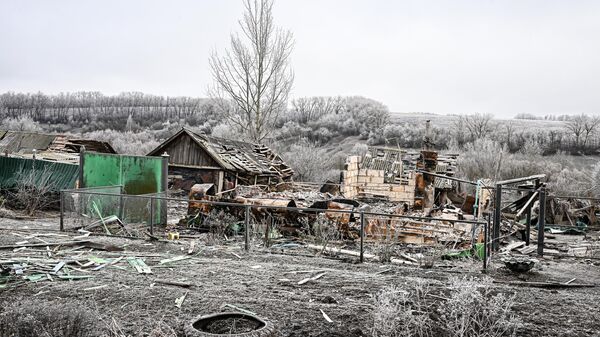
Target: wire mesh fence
(346,231)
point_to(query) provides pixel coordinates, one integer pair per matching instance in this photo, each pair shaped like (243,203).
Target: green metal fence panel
(141,175)
(58,175)
(137,175)
(101,169)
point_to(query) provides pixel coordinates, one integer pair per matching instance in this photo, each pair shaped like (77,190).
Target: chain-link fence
(333,228)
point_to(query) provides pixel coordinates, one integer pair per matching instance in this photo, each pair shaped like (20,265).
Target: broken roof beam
(447,177)
(526,206)
(520,180)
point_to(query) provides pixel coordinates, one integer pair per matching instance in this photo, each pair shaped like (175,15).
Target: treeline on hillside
(318,120)
(135,123)
(91,111)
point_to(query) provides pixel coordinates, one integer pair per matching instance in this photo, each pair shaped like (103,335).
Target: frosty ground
(265,282)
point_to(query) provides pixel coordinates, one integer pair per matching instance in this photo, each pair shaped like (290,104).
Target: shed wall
(184,151)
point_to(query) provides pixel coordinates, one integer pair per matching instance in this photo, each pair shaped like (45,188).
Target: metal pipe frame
(299,209)
(497,218)
(363,214)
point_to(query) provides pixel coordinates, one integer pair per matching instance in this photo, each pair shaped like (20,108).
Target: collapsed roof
(231,155)
(47,146)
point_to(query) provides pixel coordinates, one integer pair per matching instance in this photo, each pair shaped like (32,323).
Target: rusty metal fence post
(121,202)
(247,228)
(486,237)
(362,236)
(62,211)
(541,222)
(497,218)
(151,216)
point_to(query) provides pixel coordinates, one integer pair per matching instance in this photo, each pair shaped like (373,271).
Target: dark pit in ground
(229,324)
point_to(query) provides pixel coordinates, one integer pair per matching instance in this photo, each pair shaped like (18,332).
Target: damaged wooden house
(414,178)
(201,159)
(58,148)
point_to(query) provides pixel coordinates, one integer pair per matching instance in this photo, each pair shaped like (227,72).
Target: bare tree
(575,126)
(590,126)
(307,109)
(478,125)
(509,127)
(254,75)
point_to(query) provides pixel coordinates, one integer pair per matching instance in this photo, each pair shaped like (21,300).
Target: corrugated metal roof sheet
(62,157)
(25,142)
(62,176)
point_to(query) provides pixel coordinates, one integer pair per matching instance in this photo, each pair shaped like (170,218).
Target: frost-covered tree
(253,77)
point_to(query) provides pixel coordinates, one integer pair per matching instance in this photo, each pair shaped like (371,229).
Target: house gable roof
(233,155)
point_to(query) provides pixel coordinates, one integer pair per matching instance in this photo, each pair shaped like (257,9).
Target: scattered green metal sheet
(480,250)
(61,175)
(36,277)
(457,254)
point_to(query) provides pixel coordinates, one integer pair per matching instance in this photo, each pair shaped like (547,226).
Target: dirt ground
(265,282)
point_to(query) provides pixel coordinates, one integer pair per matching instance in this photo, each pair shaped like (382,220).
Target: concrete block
(398,188)
(376,180)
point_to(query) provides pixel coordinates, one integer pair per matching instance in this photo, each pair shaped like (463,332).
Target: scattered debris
(519,264)
(179,301)
(314,278)
(326,317)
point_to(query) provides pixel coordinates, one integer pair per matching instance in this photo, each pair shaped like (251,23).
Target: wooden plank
(64,243)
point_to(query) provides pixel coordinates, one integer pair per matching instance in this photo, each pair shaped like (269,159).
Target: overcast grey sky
(453,56)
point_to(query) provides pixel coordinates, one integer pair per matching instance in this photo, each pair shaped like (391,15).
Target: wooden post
(541,222)
(247,228)
(528,222)
(362,236)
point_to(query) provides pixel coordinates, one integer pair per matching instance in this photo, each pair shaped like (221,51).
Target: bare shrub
(325,230)
(531,148)
(23,123)
(135,143)
(5,213)
(219,224)
(161,329)
(384,246)
(33,189)
(48,319)
(402,313)
(114,329)
(429,256)
(311,162)
(472,310)
(481,159)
